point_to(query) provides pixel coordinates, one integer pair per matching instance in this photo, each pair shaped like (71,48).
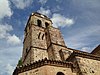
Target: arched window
(60,73)
(39,23)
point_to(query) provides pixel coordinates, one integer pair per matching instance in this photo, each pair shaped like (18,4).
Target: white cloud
(43,1)
(44,11)
(4,31)
(5,34)
(57,19)
(57,9)
(13,53)
(21,4)
(83,38)
(61,21)
(13,40)
(5,9)
(9,69)
(86,49)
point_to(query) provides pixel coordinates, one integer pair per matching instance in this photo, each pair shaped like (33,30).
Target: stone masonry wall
(38,54)
(57,52)
(38,37)
(55,36)
(27,59)
(88,66)
(26,43)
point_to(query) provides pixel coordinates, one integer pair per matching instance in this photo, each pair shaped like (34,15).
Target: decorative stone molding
(42,62)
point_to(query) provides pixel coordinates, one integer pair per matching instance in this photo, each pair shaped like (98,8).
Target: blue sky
(78,20)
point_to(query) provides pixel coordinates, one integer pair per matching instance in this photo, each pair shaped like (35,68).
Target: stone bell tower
(45,53)
(42,49)
(41,39)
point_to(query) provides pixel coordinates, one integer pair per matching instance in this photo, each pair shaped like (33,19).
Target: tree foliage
(19,62)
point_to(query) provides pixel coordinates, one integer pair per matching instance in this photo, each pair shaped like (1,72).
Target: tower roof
(40,15)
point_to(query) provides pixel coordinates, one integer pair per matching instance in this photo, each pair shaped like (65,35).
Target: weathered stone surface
(38,37)
(88,66)
(38,54)
(55,36)
(48,70)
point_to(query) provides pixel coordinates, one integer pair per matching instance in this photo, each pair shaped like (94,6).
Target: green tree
(19,62)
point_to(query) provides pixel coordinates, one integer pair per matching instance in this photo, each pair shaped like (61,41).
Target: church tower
(35,44)
(41,39)
(45,53)
(43,48)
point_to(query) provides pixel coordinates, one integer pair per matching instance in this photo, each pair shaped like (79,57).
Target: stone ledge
(84,55)
(43,62)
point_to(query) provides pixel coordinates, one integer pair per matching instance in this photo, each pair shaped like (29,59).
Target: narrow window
(39,35)
(26,50)
(46,33)
(46,24)
(42,36)
(39,23)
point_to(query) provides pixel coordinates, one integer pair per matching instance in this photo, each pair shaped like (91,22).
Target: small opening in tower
(42,36)
(26,50)
(39,35)
(46,33)
(39,23)
(46,24)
